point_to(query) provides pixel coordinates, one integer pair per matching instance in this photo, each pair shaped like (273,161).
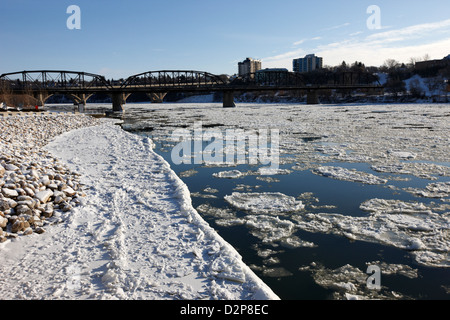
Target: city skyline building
(307,64)
(249,65)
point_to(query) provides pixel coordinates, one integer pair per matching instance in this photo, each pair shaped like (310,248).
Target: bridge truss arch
(183,79)
(53,80)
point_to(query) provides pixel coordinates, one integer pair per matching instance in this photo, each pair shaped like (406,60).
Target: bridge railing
(269,78)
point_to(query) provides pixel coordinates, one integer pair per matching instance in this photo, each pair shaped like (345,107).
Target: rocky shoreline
(36,189)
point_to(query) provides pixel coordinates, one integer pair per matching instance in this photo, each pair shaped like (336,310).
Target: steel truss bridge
(80,86)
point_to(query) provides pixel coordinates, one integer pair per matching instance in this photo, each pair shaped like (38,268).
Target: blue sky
(122,38)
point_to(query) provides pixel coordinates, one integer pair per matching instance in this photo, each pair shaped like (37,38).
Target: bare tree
(391,64)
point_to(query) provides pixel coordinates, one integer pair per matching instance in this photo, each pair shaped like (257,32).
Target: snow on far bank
(135,235)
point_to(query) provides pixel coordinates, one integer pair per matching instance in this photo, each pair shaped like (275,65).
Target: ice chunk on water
(296,242)
(401,154)
(232,174)
(265,203)
(433,190)
(395,269)
(348,175)
(350,283)
(268,171)
(209,210)
(270,229)
(391,168)
(394,206)
(413,228)
(278,272)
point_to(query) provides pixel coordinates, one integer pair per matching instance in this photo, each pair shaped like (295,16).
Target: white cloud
(412,32)
(399,44)
(304,40)
(356,33)
(337,27)
(375,54)
(297,43)
(288,56)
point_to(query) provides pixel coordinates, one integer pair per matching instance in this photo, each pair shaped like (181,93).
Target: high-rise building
(249,65)
(308,63)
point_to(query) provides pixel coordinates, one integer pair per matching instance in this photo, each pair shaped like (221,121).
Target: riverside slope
(135,236)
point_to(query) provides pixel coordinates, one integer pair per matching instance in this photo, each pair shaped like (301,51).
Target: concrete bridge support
(118,100)
(41,97)
(81,98)
(228,99)
(157,97)
(312,97)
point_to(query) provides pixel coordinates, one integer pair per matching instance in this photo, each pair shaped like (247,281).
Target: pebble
(35,187)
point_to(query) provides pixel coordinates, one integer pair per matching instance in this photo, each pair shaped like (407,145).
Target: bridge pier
(81,98)
(157,97)
(228,99)
(312,97)
(41,97)
(118,100)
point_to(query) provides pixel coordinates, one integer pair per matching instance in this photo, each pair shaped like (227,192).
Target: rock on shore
(36,189)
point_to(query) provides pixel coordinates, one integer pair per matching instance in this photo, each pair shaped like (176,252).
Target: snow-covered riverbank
(134,236)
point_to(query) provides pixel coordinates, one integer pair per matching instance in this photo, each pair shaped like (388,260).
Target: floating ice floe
(210,190)
(269,229)
(348,175)
(188,173)
(419,169)
(265,203)
(331,150)
(268,179)
(391,168)
(350,283)
(209,210)
(401,154)
(388,269)
(395,206)
(268,171)
(232,174)
(203,195)
(433,190)
(272,231)
(277,272)
(408,226)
